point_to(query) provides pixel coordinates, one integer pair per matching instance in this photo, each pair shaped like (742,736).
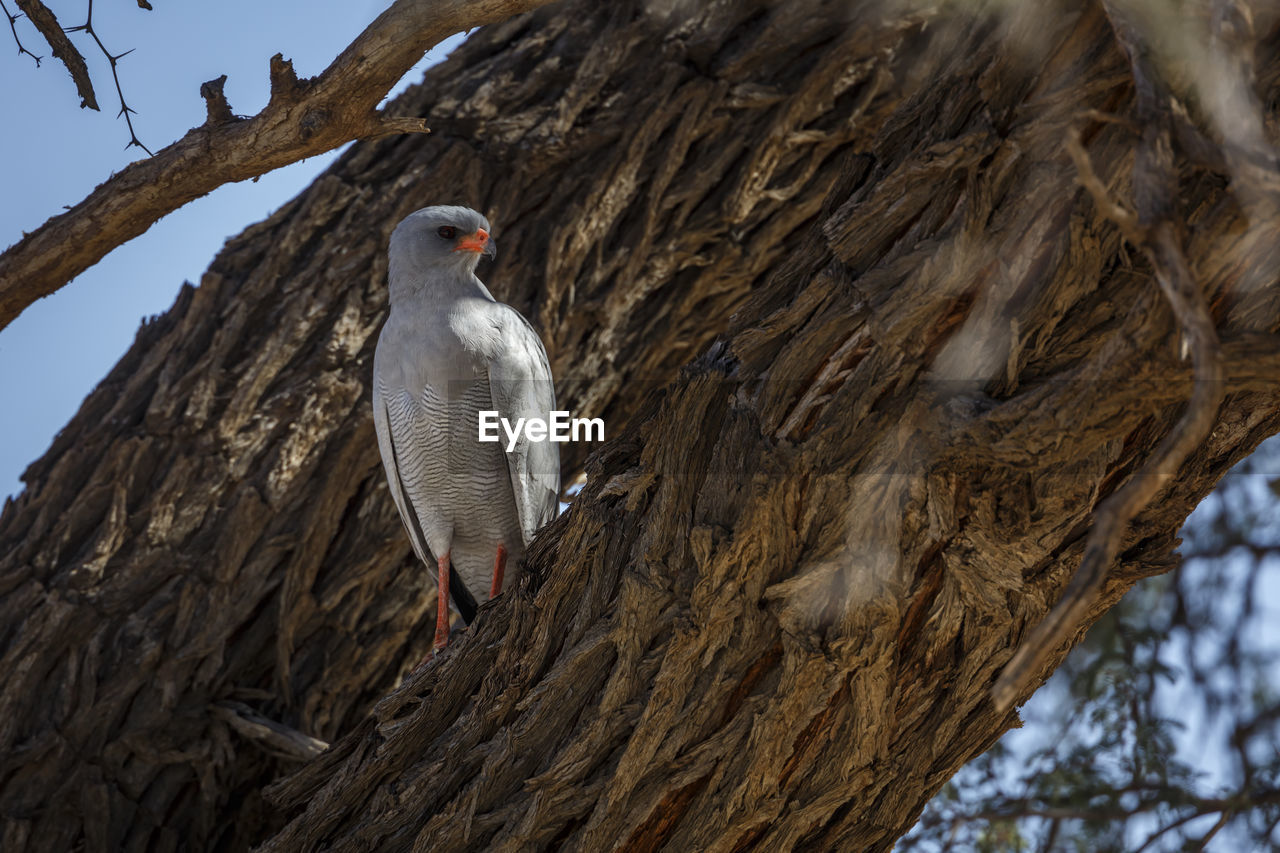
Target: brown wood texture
(869,359)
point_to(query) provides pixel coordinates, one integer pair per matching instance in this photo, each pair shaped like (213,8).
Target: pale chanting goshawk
(448,351)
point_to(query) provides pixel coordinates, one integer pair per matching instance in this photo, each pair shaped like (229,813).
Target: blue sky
(62,346)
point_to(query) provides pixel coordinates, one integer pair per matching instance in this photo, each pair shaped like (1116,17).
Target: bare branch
(47,23)
(1157,230)
(1113,514)
(1151,800)
(326,112)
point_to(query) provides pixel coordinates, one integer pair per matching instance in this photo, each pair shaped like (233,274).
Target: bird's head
(442,237)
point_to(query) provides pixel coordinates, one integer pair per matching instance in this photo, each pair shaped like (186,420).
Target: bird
(447,351)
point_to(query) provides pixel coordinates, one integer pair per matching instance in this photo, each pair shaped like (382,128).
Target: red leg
(499,565)
(442,604)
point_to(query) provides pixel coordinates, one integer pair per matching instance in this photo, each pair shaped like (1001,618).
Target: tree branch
(1152,799)
(1156,230)
(318,116)
(47,23)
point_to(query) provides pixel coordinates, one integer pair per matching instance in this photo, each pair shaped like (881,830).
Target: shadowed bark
(773,618)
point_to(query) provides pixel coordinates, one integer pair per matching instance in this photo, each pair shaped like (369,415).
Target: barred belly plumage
(459,487)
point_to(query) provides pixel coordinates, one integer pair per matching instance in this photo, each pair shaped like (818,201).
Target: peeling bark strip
(63,50)
(773,618)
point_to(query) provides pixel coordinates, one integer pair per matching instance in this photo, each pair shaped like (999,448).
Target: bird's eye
(447,231)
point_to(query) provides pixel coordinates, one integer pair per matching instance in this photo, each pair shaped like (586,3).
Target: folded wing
(521,387)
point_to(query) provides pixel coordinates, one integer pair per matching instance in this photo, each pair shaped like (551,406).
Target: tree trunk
(773,617)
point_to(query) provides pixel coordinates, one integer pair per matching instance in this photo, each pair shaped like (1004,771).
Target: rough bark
(773,618)
(43,19)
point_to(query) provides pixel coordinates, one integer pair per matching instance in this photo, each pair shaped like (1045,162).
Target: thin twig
(1225,808)
(1159,797)
(1174,824)
(112,59)
(1051,837)
(1110,118)
(1121,216)
(1203,843)
(12,21)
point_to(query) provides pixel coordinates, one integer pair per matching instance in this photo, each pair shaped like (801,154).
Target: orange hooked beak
(479,242)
